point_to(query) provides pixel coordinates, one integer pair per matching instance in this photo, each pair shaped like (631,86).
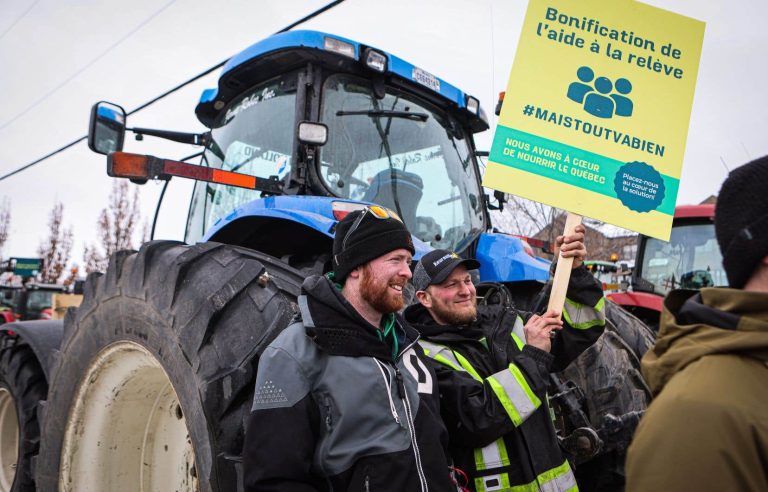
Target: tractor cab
(307,113)
(304,128)
(691,259)
(377,130)
(28,301)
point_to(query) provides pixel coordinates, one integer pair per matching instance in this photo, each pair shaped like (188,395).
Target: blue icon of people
(624,104)
(597,99)
(577,90)
(598,104)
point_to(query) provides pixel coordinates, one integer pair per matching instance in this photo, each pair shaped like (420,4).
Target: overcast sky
(58,58)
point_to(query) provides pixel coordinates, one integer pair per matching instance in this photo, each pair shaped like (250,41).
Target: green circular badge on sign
(639,186)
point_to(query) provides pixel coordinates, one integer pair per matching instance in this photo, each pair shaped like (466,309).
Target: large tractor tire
(155,376)
(22,386)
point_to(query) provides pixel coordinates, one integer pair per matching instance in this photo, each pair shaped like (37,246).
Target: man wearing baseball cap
(345,399)
(492,364)
(707,428)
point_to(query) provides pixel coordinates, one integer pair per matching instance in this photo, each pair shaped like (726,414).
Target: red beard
(378,295)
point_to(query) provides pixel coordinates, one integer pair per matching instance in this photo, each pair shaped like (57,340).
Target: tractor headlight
(375,60)
(313,133)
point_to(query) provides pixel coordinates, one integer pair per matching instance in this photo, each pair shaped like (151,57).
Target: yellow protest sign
(596,111)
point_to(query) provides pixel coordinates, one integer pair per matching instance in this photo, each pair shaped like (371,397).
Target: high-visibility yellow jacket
(493,391)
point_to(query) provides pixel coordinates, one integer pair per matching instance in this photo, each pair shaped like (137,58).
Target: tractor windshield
(400,152)
(7,296)
(253,135)
(690,260)
(37,301)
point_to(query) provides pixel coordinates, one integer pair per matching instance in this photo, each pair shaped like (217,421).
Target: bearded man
(344,398)
(493,363)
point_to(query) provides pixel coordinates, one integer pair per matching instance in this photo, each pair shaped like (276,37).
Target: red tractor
(29,302)
(691,259)
(7,314)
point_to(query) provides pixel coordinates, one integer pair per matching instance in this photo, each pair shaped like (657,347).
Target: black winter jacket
(493,389)
(333,411)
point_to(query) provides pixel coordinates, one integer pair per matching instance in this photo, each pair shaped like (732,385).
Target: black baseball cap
(435,266)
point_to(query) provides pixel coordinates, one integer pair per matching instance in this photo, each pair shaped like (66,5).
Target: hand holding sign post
(596,113)
(562,269)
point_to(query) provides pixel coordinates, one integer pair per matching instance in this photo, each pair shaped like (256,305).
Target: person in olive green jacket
(708,427)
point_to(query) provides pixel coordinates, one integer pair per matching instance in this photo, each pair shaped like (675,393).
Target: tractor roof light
(375,60)
(339,46)
(473,105)
(313,133)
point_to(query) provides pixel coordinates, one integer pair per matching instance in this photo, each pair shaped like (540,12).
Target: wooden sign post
(563,269)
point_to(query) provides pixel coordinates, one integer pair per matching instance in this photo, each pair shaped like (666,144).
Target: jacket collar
(418,317)
(337,328)
(715,321)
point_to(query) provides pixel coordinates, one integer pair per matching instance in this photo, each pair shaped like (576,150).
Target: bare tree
(5,223)
(56,249)
(524,217)
(604,241)
(533,219)
(117,226)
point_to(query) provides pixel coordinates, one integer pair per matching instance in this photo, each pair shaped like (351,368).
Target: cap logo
(443,258)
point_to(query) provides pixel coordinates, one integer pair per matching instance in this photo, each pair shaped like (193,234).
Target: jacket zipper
(388,383)
(409,416)
(411,428)
(492,339)
(407,405)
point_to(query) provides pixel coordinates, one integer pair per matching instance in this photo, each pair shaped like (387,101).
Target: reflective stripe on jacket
(493,400)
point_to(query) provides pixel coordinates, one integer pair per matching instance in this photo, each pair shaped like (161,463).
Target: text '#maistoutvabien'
(594,130)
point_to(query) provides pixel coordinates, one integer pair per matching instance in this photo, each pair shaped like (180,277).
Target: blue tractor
(151,378)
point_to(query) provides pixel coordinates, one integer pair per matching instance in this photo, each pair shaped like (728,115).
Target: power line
(171,91)
(17,20)
(62,149)
(86,66)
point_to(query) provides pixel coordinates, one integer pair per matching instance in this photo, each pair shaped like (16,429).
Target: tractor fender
(307,220)
(312,212)
(43,336)
(6,316)
(503,259)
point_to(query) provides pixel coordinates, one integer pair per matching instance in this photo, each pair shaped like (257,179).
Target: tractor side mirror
(106,130)
(501,199)
(624,285)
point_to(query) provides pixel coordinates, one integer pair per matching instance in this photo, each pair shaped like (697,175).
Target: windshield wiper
(375,113)
(384,134)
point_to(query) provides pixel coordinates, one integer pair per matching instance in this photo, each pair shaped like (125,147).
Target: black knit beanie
(371,238)
(741,220)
